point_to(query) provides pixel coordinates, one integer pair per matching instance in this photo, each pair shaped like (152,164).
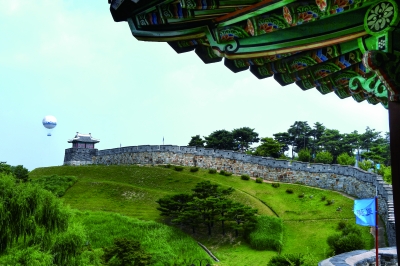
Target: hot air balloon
(49,122)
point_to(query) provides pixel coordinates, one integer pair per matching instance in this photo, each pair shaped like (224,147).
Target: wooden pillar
(394,125)
(387,67)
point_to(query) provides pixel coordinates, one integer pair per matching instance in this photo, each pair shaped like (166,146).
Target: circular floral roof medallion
(380,17)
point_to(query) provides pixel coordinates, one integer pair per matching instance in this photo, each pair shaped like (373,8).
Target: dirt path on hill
(341,193)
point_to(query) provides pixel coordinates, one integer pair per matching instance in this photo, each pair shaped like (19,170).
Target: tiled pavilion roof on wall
(317,44)
(86,138)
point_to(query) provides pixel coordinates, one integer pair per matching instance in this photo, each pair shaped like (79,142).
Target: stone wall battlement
(347,179)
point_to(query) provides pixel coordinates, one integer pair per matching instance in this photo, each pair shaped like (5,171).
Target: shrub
(194,169)
(304,155)
(276,185)
(323,198)
(324,157)
(212,171)
(178,168)
(222,172)
(330,202)
(267,234)
(365,165)
(301,195)
(342,225)
(259,180)
(289,191)
(226,173)
(245,177)
(387,174)
(348,240)
(286,260)
(165,165)
(345,159)
(126,252)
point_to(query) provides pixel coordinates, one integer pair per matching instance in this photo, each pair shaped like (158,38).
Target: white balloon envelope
(49,122)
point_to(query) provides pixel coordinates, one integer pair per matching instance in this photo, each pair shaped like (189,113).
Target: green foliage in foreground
(27,211)
(58,185)
(35,226)
(166,245)
(267,234)
(348,240)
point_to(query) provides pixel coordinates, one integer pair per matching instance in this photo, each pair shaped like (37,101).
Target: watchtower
(82,150)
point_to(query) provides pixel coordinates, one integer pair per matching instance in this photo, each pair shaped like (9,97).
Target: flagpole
(376,227)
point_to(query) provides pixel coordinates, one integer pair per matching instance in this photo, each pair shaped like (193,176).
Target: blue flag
(365,212)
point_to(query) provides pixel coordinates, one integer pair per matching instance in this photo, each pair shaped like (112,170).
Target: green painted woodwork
(313,43)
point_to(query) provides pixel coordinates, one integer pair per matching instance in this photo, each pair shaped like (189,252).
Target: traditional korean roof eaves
(313,43)
(86,138)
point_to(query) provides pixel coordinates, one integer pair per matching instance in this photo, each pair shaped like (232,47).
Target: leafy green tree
(220,139)
(67,245)
(353,141)
(379,151)
(284,139)
(304,155)
(126,252)
(5,168)
(268,148)
(197,141)
(21,173)
(207,205)
(244,137)
(299,134)
(368,138)
(223,206)
(173,206)
(190,217)
(345,159)
(206,189)
(331,142)
(324,157)
(26,209)
(316,132)
(244,217)
(207,210)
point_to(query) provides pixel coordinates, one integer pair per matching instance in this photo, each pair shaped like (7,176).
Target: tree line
(369,145)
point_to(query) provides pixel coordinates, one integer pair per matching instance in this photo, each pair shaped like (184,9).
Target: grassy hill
(132,191)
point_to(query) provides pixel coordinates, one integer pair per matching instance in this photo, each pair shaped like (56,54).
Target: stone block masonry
(75,156)
(347,179)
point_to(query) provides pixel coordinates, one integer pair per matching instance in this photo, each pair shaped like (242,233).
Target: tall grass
(56,184)
(268,234)
(167,245)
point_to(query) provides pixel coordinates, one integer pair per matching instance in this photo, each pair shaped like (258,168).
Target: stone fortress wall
(347,179)
(74,156)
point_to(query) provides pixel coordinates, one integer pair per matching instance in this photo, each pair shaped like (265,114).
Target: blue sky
(71,60)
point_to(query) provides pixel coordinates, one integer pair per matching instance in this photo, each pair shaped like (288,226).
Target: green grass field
(132,191)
